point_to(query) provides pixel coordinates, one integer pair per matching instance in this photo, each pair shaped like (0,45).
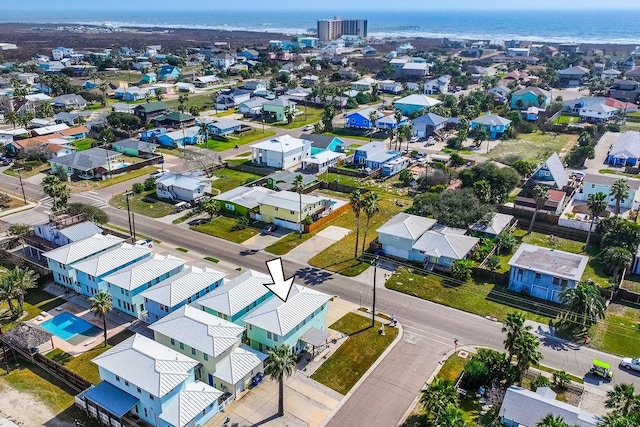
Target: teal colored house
(127,285)
(143,379)
(543,273)
(299,323)
(324,142)
(415,103)
(494,125)
(169,72)
(530,97)
(242,201)
(237,297)
(133,147)
(148,78)
(550,174)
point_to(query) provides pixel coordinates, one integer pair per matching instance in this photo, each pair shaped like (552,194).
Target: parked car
(158,174)
(147,243)
(577,175)
(269,229)
(414,139)
(629,363)
(308,127)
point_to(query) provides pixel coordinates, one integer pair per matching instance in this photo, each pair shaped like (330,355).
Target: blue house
(550,174)
(91,271)
(298,323)
(428,125)
(148,78)
(531,96)
(494,125)
(234,299)
(143,379)
(152,134)
(415,103)
(180,138)
(169,72)
(381,158)
(127,284)
(389,121)
(374,154)
(250,54)
(625,151)
(543,273)
(395,166)
(224,127)
(324,142)
(360,119)
(178,290)
(61,260)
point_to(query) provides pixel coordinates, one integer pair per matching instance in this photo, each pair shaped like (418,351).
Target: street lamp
(24,197)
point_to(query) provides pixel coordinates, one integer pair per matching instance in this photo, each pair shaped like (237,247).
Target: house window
(275,337)
(181,346)
(268,335)
(126,383)
(117,378)
(276,209)
(150,396)
(564,282)
(556,281)
(538,275)
(193,351)
(173,342)
(593,186)
(146,413)
(291,212)
(205,356)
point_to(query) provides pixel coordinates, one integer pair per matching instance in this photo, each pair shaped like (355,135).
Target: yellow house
(283,208)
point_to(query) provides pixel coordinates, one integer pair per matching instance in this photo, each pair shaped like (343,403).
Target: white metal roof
(182,181)
(179,287)
(50,129)
(407,226)
(203,331)
(289,200)
(153,367)
(238,293)
(84,248)
(249,197)
(279,317)
(81,230)
(194,398)
(235,366)
(144,271)
(418,99)
(280,144)
(111,259)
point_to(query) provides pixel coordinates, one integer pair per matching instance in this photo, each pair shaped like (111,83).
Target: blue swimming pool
(66,326)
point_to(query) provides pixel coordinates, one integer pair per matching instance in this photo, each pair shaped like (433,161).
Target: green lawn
(222,227)
(248,137)
(534,146)
(617,172)
(618,333)
(339,257)
(203,101)
(224,113)
(453,367)
(35,301)
(228,179)
(485,299)
(289,242)
(85,185)
(29,168)
(632,282)
(313,115)
(145,203)
(352,359)
(84,144)
(126,76)
(82,364)
(565,119)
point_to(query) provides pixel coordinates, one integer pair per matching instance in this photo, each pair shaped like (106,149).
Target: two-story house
(174,186)
(147,380)
(572,76)
(90,272)
(59,235)
(543,273)
(126,285)
(493,124)
(551,174)
(415,103)
(361,119)
(214,342)
(595,183)
(150,110)
(276,109)
(625,90)
(289,210)
(282,152)
(530,97)
(428,125)
(374,155)
(235,298)
(277,322)
(61,260)
(178,290)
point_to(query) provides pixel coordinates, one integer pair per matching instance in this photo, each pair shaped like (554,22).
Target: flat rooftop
(549,261)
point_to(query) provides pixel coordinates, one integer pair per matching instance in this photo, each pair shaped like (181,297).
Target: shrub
(240,224)
(461,269)
(540,381)
(493,263)
(138,187)
(454,143)
(560,380)
(149,184)
(456,159)
(476,374)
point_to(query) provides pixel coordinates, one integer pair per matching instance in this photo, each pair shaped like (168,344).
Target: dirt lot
(26,410)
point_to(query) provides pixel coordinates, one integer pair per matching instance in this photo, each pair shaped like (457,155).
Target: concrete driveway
(317,243)
(262,240)
(602,149)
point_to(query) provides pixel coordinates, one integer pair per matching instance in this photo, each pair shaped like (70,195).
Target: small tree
(560,380)
(149,184)
(211,206)
(18,229)
(540,195)
(461,269)
(405,176)
(281,364)
(240,224)
(138,187)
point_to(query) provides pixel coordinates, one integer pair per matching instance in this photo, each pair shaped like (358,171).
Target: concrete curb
(29,205)
(367,373)
(468,348)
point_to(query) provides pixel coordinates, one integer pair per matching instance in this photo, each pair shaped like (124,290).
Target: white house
(282,152)
(174,186)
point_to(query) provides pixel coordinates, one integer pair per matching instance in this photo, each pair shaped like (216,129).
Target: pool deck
(79,305)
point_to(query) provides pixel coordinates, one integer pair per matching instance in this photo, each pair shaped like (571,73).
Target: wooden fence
(150,161)
(11,260)
(491,276)
(322,221)
(349,172)
(257,170)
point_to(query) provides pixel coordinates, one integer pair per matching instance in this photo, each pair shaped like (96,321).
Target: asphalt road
(429,328)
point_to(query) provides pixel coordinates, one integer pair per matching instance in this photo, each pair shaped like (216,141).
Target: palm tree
(583,303)
(525,348)
(204,131)
(623,399)
(103,87)
(182,100)
(597,204)
(281,363)
(49,184)
(391,133)
(212,207)
(24,119)
(617,259)
(101,305)
(451,417)
(552,421)
(617,420)
(619,191)
(356,206)
(514,327)
(290,113)
(21,279)
(298,186)
(373,118)
(438,396)
(397,114)
(8,293)
(370,206)
(11,117)
(540,195)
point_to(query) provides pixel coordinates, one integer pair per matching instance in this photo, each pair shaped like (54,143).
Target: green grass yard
(248,137)
(565,119)
(534,146)
(452,367)
(145,203)
(619,332)
(228,179)
(86,185)
(222,227)
(29,168)
(35,301)
(84,144)
(351,360)
(313,115)
(203,102)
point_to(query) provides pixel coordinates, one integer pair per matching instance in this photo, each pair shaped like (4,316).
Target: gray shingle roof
(407,226)
(491,120)
(86,160)
(430,119)
(437,244)
(136,145)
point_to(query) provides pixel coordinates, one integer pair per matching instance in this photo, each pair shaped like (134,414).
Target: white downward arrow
(280,286)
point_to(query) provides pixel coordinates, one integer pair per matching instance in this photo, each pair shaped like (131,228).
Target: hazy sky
(336,6)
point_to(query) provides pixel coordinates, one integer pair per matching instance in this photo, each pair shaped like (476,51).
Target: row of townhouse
(210,334)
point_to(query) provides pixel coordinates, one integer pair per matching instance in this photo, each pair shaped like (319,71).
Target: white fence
(572,223)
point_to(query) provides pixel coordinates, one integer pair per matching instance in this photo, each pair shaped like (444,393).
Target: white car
(158,174)
(414,139)
(147,243)
(307,127)
(629,363)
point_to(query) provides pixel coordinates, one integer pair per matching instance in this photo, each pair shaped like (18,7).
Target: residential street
(429,328)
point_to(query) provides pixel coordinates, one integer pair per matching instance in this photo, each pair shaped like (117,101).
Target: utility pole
(24,197)
(127,195)
(373,308)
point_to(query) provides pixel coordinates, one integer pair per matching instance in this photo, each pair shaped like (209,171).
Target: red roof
(74,131)
(556,195)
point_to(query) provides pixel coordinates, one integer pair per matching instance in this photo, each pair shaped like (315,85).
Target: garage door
(397,252)
(539,292)
(286,224)
(555,296)
(421,134)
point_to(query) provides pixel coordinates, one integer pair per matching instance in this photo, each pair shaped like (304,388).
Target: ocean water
(589,26)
